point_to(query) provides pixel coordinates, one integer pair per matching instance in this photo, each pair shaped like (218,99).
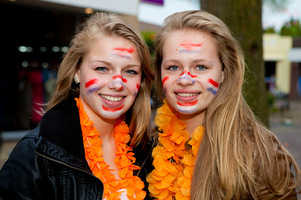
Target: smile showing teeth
(186,94)
(110,98)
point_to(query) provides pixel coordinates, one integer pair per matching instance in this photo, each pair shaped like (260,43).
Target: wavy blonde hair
(238,155)
(99,25)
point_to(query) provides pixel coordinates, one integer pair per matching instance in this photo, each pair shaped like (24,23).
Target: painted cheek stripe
(165,79)
(192,103)
(91,82)
(119,76)
(213,89)
(137,86)
(214,83)
(112,109)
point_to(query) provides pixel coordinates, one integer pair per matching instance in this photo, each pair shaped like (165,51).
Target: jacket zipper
(65,164)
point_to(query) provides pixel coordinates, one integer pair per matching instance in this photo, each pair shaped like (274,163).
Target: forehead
(186,36)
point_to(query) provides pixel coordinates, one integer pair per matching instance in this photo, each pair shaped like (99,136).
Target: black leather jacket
(49,162)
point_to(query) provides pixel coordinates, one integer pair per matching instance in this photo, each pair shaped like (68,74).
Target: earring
(76,79)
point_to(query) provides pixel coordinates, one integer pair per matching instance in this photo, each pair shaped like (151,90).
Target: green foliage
(149,37)
(270,30)
(291,28)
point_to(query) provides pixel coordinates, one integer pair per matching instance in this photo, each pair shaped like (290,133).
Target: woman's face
(110,77)
(191,71)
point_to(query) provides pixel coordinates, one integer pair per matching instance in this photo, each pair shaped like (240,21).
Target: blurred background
(36,34)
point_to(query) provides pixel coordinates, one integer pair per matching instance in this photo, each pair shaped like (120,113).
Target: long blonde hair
(98,25)
(237,154)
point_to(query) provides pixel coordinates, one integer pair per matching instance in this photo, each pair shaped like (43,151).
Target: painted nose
(185,79)
(117,84)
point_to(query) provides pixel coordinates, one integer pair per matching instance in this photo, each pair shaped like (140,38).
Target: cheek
(93,85)
(212,86)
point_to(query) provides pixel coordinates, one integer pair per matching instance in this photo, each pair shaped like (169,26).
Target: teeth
(110,98)
(187,94)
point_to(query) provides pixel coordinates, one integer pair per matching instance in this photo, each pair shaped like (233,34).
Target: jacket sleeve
(19,176)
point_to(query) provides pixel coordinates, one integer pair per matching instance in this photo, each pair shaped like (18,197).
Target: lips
(112,101)
(186,96)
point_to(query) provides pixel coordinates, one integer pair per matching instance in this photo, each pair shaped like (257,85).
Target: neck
(192,121)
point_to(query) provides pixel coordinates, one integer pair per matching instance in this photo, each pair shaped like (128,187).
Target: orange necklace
(171,178)
(124,159)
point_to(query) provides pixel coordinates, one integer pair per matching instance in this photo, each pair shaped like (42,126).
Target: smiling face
(110,77)
(191,71)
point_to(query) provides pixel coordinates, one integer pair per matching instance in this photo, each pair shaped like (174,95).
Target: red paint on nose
(119,76)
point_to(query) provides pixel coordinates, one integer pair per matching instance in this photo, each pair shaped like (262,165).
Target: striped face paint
(187,107)
(187,77)
(190,47)
(112,109)
(213,86)
(165,79)
(118,82)
(92,86)
(123,53)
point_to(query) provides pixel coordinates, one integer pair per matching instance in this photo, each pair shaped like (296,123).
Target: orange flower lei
(171,178)
(124,159)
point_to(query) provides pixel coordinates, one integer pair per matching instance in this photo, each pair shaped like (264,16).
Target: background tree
(244,20)
(291,28)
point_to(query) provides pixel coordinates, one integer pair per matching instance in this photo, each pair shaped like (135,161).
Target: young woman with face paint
(89,142)
(210,145)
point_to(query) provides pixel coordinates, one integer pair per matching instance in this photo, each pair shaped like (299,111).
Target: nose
(185,79)
(117,83)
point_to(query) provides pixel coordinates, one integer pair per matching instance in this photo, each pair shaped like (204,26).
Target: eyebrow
(110,64)
(194,61)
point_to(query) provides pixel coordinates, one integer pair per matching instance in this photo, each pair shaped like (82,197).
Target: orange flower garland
(124,159)
(171,178)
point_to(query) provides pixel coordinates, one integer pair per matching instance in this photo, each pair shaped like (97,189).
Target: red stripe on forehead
(187,45)
(91,82)
(119,76)
(214,83)
(129,50)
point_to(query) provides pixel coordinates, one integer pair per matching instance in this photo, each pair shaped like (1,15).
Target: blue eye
(173,68)
(201,67)
(101,69)
(132,72)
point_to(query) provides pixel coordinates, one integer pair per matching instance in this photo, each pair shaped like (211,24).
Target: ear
(223,76)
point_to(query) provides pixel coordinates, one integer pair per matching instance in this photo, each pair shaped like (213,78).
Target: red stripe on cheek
(165,79)
(214,83)
(119,76)
(137,86)
(91,82)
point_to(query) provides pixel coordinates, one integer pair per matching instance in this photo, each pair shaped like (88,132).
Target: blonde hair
(98,25)
(237,154)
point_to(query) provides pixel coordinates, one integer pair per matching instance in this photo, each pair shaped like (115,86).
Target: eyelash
(203,67)
(130,71)
(172,66)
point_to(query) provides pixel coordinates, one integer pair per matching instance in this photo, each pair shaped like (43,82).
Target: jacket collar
(61,128)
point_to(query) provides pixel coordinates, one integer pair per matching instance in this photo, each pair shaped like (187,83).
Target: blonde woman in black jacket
(83,148)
